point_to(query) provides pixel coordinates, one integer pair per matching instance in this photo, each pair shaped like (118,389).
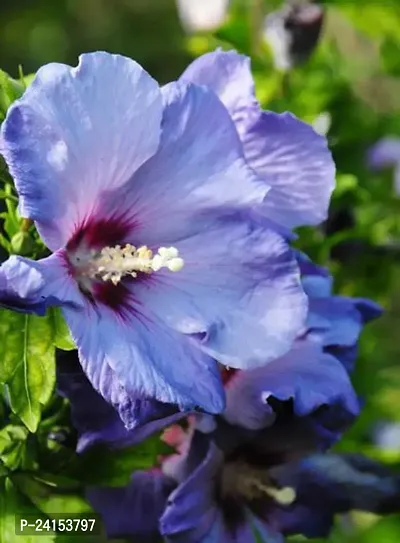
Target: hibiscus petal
(199,167)
(149,359)
(229,76)
(191,509)
(76,133)
(288,154)
(306,375)
(32,286)
(133,510)
(98,421)
(239,281)
(296,163)
(9,299)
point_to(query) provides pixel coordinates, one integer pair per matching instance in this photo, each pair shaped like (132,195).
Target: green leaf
(101,466)
(10,90)
(62,336)
(12,445)
(12,503)
(48,499)
(27,363)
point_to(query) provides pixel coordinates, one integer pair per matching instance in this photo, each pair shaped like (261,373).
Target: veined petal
(133,510)
(198,168)
(149,359)
(240,286)
(296,162)
(96,420)
(306,375)
(32,286)
(77,133)
(288,154)
(229,76)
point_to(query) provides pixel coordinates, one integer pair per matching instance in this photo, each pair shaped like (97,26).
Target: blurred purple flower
(287,153)
(104,160)
(386,154)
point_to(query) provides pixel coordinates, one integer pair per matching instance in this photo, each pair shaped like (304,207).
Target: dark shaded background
(34,32)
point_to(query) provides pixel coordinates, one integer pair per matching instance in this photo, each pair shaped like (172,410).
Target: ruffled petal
(148,359)
(32,286)
(335,321)
(191,509)
(296,162)
(9,299)
(306,375)
(134,510)
(288,154)
(239,281)
(339,320)
(229,76)
(198,168)
(77,133)
(98,421)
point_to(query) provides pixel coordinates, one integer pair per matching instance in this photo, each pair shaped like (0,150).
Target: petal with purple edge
(296,163)
(336,320)
(229,76)
(36,285)
(288,154)
(76,133)
(191,509)
(98,421)
(306,375)
(149,359)
(239,281)
(198,168)
(133,510)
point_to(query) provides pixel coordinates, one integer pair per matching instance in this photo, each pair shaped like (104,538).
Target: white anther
(175,265)
(113,263)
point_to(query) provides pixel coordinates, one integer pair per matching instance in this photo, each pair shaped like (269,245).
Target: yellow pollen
(114,263)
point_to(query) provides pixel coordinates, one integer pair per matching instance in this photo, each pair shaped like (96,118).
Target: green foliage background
(353,76)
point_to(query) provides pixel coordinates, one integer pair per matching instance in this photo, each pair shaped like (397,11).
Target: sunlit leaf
(27,363)
(62,336)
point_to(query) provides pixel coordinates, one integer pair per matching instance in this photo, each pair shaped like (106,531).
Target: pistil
(114,263)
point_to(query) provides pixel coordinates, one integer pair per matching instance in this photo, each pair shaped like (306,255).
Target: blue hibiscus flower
(143,193)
